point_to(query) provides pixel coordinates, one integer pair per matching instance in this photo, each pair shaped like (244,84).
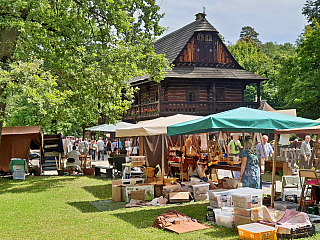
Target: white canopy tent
(110,127)
(153,127)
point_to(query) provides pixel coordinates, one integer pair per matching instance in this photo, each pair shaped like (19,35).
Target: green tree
(299,81)
(92,48)
(311,10)
(248,34)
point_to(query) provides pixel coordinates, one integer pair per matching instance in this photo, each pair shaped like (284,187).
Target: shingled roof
(203,72)
(172,44)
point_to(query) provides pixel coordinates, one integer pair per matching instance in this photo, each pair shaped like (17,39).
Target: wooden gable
(205,49)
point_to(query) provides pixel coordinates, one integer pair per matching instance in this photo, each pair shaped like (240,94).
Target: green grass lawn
(52,207)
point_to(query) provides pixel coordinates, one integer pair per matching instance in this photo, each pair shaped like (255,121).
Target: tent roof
(110,127)
(308,130)
(21,130)
(156,126)
(241,120)
(266,107)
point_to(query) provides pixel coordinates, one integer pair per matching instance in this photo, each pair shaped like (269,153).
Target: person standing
(94,149)
(235,145)
(268,149)
(250,169)
(109,149)
(100,144)
(114,145)
(305,154)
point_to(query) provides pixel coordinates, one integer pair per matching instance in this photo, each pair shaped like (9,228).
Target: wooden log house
(205,79)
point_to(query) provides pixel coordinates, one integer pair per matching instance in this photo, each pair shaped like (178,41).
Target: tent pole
(163,148)
(274,168)
(313,150)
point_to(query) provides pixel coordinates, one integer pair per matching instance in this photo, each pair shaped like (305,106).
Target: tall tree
(248,34)
(299,80)
(92,48)
(311,10)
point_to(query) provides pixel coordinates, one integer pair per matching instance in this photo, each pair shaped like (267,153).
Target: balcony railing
(150,110)
(203,108)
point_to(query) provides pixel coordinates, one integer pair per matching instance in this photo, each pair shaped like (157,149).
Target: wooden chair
(308,174)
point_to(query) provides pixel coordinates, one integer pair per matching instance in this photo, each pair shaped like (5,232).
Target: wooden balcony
(150,110)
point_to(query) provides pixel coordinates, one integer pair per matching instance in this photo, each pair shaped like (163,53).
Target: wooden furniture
(97,171)
(84,159)
(308,174)
(284,166)
(226,167)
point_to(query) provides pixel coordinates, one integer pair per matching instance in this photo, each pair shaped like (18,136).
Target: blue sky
(275,20)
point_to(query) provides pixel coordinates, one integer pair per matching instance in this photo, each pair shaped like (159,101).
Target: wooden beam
(258,93)
(274,169)
(314,149)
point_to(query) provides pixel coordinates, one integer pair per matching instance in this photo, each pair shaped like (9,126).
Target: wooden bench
(97,171)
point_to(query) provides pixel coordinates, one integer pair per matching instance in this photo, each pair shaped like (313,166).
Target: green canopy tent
(243,120)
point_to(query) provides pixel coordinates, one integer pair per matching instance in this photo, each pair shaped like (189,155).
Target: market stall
(305,130)
(155,127)
(242,120)
(16,142)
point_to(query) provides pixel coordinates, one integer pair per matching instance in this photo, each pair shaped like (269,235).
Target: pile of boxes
(134,188)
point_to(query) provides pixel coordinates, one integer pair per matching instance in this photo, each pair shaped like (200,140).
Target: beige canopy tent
(154,127)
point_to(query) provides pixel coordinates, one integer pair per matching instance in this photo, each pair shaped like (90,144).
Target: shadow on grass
(31,184)
(222,232)
(144,217)
(84,207)
(100,191)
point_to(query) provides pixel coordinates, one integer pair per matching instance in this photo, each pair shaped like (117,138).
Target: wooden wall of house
(148,93)
(206,47)
(175,90)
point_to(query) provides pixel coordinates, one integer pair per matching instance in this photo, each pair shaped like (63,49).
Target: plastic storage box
(224,219)
(19,174)
(281,205)
(241,220)
(242,212)
(132,181)
(200,191)
(220,198)
(291,194)
(247,197)
(256,231)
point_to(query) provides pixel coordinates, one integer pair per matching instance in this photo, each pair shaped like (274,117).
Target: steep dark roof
(204,72)
(172,44)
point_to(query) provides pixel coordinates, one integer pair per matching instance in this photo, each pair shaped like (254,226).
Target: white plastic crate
(281,205)
(247,197)
(224,219)
(200,191)
(18,174)
(291,193)
(221,201)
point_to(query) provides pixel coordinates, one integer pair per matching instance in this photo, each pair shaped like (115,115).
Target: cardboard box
(158,190)
(175,197)
(118,193)
(137,195)
(148,188)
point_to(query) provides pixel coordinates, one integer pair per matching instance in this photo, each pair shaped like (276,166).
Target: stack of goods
(220,198)
(174,193)
(244,201)
(200,191)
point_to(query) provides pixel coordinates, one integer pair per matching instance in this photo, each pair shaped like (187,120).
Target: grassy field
(52,207)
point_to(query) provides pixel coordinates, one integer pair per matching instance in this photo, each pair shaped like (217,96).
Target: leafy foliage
(311,10)
(248,34)
(92,48)
(299,81)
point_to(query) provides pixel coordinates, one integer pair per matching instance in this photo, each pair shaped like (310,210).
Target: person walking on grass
(100,144)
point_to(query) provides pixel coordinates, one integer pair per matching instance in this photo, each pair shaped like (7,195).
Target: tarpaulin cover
(110,127)
(15,143)
(152,127)
(241,120)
